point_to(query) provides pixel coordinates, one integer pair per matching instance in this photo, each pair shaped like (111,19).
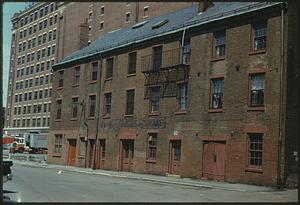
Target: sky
(9,9)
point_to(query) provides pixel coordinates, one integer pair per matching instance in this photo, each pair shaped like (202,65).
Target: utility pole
(98,112)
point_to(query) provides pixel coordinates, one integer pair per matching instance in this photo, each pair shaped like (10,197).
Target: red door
(101,154)
(72,152)
(91,153)
(213,160)
(175,157)
(127,155)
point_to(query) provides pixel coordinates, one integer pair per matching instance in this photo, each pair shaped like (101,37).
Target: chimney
(203,5)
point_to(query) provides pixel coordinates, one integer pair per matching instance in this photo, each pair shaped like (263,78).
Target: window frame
(58,113)
(90,106)
(211,92)
(178,110)
(249,166)
(60,79)
(92,80)
(252,73)
(74,107)
(76,76)
(130,70)
(128,101)
(214,56)
(151,112)
(106,105)
(150,147)
(109,75)
(252,37)
(58,144)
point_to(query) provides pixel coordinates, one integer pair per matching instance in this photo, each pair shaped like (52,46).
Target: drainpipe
(183,36)
(98,112)
(279,181)
(86,142)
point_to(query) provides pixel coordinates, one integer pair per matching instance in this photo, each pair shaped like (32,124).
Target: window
(39,108)
(102,10)
(35,15)
(47,79)
(34,28)
(30,96)
(45,107)
(257,87)
(186,51)
(33,42)
(154,99)
(51,7)
(216,101)
(16,98)
(46,10)
(29,44)
(38,55)
(18,73)
(20,47)
(19,110)
(157,58)
(20,97)
(39,40)
(130,102)
(54,34)
(44,38)
(53,50)
(29,109)
(50,21)
(28,58)
(41,80)
(49,51)
(58,143)
(44,122)
(50,36)
(24,46)
(152,146)
(101,25)
(92,105)
(35,95)
(74,107)
(38,122)
(28,122)
(182,97)
(94,71)
(23,123)
(31,69)
(26,83)
(46,93)
(127,17)
(61,79)
(33,122)
(24,110)
(55,19)
(255,150)
(25,33)
(259,36)
(27,70)
(37,68)
(132,63)
(49,106)
(109,68)
(146,11)
(107,104)
(40,25)
(40,94)
(17,85)
(76,75)
(48,65)
(58,109)
(30,31)
(103,149)
(21,35)
(32,56)
(41,12)
(219,44)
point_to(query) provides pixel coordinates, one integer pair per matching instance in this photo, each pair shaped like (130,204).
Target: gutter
(279,180)
(183,27)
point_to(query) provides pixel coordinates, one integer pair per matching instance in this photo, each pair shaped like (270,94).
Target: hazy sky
(8,10)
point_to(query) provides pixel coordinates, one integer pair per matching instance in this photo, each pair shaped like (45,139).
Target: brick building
(44,34)
(208,91)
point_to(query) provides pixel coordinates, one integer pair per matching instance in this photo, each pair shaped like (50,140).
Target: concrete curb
(139,178)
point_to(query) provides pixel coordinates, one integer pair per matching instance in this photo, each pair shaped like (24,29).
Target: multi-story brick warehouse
(45,33)
(212,94)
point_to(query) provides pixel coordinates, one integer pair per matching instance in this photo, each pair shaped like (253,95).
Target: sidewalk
(197,183)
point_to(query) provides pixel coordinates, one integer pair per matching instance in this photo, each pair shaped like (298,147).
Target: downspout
(183,36)
(279,181)
(86,142)
(98,112)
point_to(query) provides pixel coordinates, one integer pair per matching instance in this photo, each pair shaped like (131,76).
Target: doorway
(213,163)
(175,157)
(127,154)
(72,152)
(101,154)
(91,152)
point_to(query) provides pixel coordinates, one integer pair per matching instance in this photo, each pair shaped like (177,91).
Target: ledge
(80,157)
(106,116)
(56,154)
(73,119)
(130,75)
(154,114)
(59,88)
(257,52)
(254,169)
(76,85)
(92,82)
(150,161)
(108,79)
(57,120)
(181,112)
(127,115)
(91,118)
(214,59)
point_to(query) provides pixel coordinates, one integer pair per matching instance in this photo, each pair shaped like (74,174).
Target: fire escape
(165,69)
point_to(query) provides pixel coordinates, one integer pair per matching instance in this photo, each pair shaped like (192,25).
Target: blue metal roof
(178,20)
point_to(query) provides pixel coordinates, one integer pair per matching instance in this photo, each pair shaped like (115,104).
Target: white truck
(36,142)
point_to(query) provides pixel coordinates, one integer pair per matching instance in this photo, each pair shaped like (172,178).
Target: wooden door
(219,159)
(91,153)
(101,154)
(208,160)
(72,152)
(213,160)
(127,155)
(175,157)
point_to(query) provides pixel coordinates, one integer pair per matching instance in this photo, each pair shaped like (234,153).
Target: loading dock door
(213,163)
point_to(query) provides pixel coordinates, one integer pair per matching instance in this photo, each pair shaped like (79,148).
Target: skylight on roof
(160,23)
(140,24)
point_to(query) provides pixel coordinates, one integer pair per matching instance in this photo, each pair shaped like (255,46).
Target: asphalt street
(34,184)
